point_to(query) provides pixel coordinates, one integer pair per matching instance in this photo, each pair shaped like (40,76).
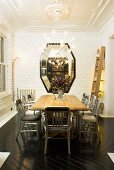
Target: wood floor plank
(84,156)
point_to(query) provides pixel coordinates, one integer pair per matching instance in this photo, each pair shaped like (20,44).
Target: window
(2,65)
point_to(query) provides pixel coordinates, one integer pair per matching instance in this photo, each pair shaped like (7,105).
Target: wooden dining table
(70,101)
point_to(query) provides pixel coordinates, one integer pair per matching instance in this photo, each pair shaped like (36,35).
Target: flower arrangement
(57,84)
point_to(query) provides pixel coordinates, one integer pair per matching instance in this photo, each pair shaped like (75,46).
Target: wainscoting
(6,104)
(7,109)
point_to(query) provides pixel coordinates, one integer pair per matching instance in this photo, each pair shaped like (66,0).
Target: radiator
(25,92)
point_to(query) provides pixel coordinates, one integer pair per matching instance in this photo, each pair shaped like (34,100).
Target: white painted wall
(6,103)
(106,33)
(29,47)
(110,95)
(8,56)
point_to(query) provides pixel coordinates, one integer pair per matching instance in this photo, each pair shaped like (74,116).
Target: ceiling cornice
(10,16)
(97,12)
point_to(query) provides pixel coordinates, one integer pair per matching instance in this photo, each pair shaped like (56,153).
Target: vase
(60,93)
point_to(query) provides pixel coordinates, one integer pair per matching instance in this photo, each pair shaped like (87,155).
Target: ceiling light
(58,9)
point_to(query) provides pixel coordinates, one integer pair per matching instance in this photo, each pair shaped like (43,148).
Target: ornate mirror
(57,67)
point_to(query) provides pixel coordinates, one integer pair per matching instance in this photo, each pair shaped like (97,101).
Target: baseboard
(106,116)
(111,155)
(3,157)
(6,117)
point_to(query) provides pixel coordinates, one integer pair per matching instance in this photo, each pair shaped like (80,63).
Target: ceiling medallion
(57,10)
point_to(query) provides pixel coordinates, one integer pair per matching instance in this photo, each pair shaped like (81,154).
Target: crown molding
(10,17)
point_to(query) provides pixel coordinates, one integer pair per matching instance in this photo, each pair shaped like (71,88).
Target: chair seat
(30,118)
(88,112)
(88,118)
(58,129)
(30,112)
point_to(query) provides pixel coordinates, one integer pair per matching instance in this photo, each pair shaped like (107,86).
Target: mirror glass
(57,67)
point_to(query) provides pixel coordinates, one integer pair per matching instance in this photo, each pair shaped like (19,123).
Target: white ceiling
(84,15)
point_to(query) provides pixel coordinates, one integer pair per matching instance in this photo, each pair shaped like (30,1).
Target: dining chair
(24,100)
(27,102)
(85,98)
(90,104)
(29,121)
(89,122)
(59,120)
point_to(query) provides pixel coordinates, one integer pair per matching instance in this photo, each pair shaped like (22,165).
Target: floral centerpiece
(57,85)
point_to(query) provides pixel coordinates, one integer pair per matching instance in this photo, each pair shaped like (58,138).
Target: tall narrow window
(2,65)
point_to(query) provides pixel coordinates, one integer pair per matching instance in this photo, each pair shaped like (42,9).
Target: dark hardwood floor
(29,155)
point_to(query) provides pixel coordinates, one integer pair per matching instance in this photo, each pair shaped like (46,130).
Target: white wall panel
(29,47)
(107,37)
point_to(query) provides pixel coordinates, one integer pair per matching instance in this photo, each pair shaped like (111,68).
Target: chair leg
(69,152)
(37,130)
(98,135)
(18,131)
(45,147)
(79,129)
(20,128)
(40,126)
(96,131)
